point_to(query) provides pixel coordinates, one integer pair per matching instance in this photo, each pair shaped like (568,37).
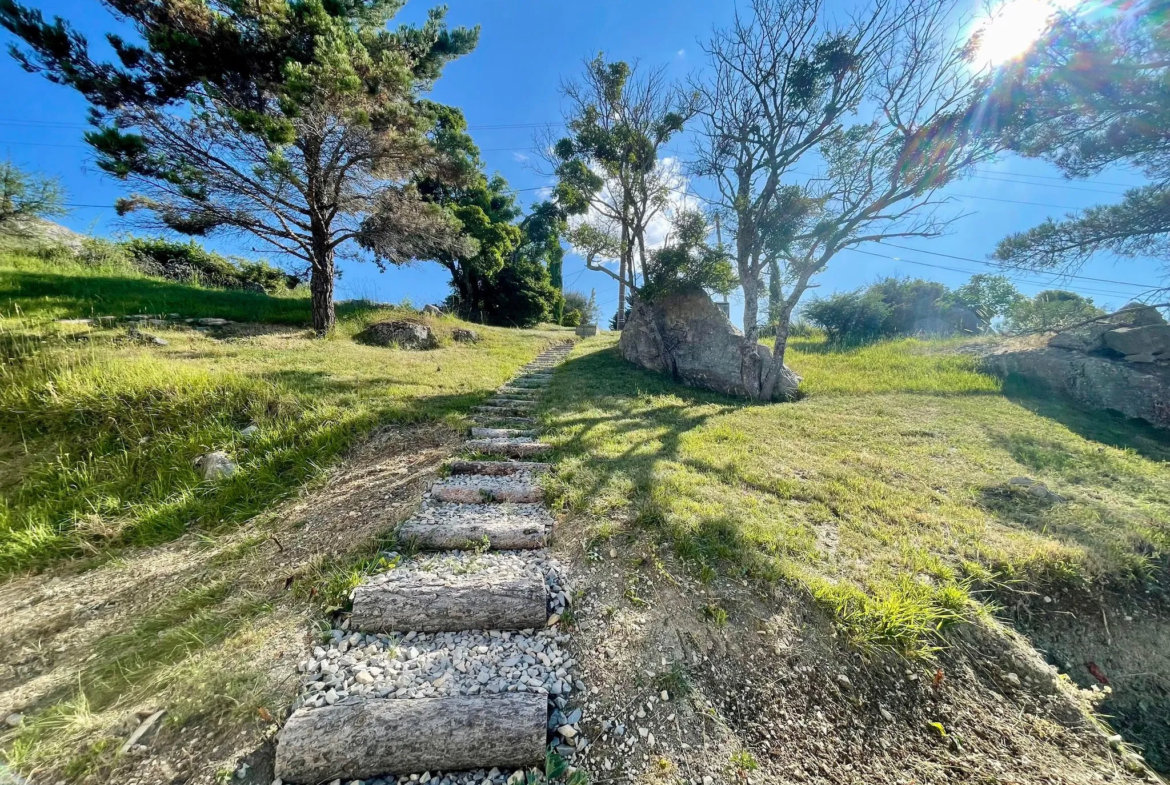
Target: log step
(475,489)
(503,411)
(470,526)
(525,403)
(512,448)
(497,467)
(446,594)
(500,433)
(361,739)
(521,391)
(503,420)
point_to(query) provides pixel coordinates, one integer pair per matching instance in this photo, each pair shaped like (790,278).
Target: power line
(1018,279)
(999,267)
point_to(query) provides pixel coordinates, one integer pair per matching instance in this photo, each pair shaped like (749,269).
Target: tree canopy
(26,196)
(1094,92)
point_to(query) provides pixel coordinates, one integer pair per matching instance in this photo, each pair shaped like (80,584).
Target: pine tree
(298,122)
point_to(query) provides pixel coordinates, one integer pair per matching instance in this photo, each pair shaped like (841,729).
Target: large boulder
(688,337)
(1141,391)
(403,334)
(1147,339)
(1091,337)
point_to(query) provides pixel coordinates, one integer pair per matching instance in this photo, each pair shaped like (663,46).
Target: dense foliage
(1052,309)
(192,263)
(25,196)
(895,307)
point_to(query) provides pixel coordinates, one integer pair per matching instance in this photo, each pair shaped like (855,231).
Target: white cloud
(682,53)
(519,157)
(658,229)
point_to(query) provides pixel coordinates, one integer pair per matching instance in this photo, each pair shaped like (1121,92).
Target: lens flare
(1013,27)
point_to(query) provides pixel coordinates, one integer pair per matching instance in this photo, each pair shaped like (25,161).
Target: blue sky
(508,88)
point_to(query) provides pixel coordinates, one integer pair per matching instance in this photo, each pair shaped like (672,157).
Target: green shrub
(192,263)
(849,317)
(1052,309)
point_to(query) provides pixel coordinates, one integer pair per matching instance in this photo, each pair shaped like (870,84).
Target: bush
(851,317)
(583,307)
(1052,309)
(192,263)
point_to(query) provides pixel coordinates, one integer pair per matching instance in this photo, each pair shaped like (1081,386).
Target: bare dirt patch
(732,681)
(208,627)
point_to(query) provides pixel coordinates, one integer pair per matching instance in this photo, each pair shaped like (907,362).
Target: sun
(1013,27)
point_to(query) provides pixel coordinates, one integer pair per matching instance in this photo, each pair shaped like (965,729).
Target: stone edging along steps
(450,663)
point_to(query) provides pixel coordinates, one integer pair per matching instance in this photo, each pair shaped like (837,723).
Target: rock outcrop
(1135,390)
(1121,364)
(403,334)
(688,337)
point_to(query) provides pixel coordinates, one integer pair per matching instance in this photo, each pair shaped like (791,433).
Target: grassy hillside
(98,431)
(41,288)
(885,491)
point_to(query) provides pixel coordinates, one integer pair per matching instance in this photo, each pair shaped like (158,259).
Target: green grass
(883,491)
(40,289)
(98,433)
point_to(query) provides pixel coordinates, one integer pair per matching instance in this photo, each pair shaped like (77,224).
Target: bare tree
(819,137)
(619,117)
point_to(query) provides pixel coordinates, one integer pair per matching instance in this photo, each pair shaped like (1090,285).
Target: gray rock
(214,465)
(432,310)
(250,431)
(14,720)
(1142,358)
(403,334)
(1140,315)
(1147,339)
(688,337)
(212,321)
(1141,391)
(465,336)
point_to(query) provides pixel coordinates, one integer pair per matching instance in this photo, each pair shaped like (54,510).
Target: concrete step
(511,448)
(497,467)
(486,489)
(449,592)
(360,739)
(469,526)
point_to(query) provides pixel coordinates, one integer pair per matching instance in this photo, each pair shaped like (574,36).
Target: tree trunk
(321,291)
(774,372)
(620,317)
(751,308)
(774,292)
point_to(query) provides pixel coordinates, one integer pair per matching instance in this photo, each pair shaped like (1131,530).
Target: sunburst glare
(1010,29)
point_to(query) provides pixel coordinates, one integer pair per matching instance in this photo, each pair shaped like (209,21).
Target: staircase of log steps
(450,668)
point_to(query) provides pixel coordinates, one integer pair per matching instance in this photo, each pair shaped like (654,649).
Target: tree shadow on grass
(1105,427)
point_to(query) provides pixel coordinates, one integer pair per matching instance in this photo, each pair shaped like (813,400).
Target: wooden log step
(500,433)
(489,489)
(497,467)
(514,391)
(469,526)
(445,595)
(502,411)
(361,739)
(525,403)
(508,447)
(502,420)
